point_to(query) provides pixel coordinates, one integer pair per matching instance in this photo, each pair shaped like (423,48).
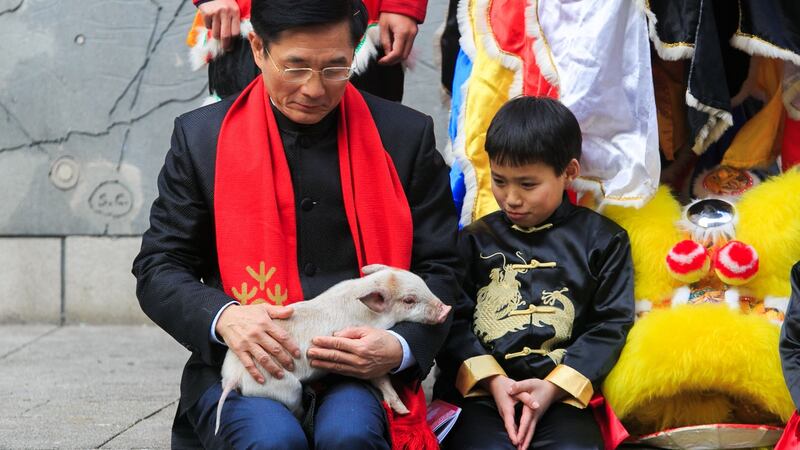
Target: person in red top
(398,22)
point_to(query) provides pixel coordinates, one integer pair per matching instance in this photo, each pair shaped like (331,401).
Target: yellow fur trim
(769,220)
(652,232)
(698,364)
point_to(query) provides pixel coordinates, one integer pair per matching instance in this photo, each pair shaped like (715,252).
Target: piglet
(383,297)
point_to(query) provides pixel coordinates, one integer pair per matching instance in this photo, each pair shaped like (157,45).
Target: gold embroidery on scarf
(277,297)
(262,277)
(245,295)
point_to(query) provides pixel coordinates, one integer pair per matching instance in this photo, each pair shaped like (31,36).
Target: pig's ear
(375,302)
(372,268)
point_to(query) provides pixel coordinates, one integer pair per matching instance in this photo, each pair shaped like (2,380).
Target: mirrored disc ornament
(711,213)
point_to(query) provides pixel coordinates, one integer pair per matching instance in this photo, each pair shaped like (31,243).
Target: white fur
(753,45)
(367,50)
(732,298)
(378,300)
(643,306)
(718,121)
(672,52)
(778,303)
(467,40)
(208,48)
(681,296)
(544,60)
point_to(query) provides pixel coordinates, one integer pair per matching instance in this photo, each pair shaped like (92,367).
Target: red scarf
(790,439)
(254,213)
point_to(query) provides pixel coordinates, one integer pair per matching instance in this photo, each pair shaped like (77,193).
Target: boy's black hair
(271,17)
(529,130)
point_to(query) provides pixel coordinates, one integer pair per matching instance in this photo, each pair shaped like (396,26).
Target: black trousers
(562,427)
(231,72)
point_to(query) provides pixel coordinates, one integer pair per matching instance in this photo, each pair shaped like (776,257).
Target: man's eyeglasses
(303,74)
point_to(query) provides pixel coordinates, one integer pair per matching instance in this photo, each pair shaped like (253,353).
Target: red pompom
(688,261)
(736,263)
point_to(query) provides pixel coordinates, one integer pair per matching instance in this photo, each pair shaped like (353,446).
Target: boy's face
(529,194)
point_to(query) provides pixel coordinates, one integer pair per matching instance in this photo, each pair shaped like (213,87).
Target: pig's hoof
(398,407)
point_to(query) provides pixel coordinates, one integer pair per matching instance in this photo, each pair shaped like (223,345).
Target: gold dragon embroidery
(498,310)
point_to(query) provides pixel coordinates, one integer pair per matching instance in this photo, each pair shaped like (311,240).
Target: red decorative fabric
(254,207)
(790,439)
(614,433)
(507,24)
(411,431)
(790,150)
(412,8)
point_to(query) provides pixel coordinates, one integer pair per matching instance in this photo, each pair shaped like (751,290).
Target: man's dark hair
(529,130)
(271,17)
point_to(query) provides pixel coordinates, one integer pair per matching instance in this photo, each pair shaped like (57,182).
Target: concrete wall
(88,93)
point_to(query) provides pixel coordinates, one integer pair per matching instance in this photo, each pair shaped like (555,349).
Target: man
(397,20)
(276,196)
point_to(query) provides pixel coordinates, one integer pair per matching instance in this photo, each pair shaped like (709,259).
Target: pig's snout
(441,313)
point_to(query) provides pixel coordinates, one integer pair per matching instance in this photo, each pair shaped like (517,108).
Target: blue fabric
(458,187)
(348,416)
(462,72)
(463,69)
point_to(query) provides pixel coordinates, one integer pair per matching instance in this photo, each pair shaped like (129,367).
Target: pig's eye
(409,301)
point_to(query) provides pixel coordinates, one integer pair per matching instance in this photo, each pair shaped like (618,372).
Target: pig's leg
(389,394)
(291,392)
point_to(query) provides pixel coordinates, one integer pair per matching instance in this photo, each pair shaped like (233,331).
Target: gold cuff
(572,381)
(474,370)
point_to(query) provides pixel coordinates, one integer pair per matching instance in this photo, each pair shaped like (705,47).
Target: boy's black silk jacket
(537,300)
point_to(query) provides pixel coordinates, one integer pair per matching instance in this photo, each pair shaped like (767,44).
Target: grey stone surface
(15,337)
(83,387)
(30,279)
(99,286)
(423,90)
(99,82)
(151,433)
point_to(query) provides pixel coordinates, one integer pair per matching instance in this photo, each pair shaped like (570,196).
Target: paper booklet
(441,417)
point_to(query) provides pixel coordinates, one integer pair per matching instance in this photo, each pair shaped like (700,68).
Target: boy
(549,295)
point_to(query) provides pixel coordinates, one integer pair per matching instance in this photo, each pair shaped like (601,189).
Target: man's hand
(536,396)
(222,18)
(360,352)
(397,37)
(252,334)
(499,386)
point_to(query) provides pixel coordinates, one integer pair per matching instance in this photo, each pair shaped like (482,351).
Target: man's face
(529,194)
(315,47)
